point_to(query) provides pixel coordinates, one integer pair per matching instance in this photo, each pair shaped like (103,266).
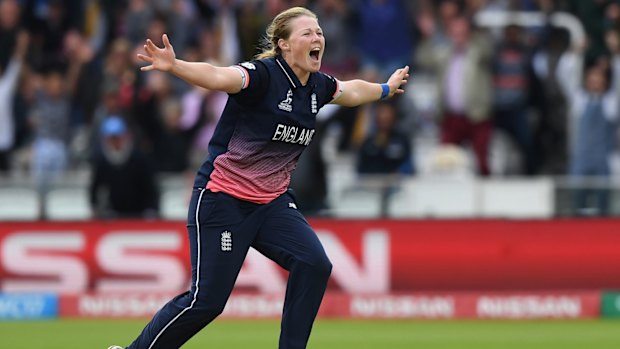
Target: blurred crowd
(72,96)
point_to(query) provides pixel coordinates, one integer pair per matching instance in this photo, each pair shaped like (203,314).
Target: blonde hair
(280,28)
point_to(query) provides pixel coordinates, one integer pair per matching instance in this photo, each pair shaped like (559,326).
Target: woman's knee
(319,267)
(209,308)
(209,313)
(325,266)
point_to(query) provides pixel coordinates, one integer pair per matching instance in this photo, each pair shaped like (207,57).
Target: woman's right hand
(162,59)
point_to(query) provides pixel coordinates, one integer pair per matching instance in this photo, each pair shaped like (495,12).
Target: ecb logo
(226,243)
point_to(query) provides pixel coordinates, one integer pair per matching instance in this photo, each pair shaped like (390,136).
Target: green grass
(328,334)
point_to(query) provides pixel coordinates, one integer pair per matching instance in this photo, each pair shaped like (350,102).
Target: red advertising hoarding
(457,305)
(369,256)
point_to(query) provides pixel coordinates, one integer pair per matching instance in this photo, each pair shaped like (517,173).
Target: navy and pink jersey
(263,131)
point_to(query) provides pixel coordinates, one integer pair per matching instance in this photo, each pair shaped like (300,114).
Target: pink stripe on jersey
(234,188)
(253,173)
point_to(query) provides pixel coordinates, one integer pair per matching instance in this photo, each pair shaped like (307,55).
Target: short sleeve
(329,88)
(255,82)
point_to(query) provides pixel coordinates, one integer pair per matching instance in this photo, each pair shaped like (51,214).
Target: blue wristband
(385,90)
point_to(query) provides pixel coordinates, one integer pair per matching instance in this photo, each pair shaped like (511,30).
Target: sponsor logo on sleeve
(248,65)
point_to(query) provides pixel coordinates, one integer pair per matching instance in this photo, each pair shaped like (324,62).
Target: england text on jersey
(291,134)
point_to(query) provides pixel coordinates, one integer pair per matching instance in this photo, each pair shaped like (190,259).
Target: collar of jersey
(290,75)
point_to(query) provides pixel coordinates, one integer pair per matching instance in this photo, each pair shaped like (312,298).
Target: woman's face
(595,80)
(304,48)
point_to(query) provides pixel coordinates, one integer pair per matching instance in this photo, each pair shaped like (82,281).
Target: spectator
(50,114)
(386,150)
(8,85)
(594,111)
(49,119)
(465,87)
(123,180)
(550,136)
(512,77)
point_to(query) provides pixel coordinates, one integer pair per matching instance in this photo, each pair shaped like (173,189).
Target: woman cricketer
(240,197)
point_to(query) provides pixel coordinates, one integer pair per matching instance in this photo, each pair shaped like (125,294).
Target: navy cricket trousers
(221,230)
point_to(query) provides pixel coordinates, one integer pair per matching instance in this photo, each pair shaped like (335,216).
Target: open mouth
(315,53)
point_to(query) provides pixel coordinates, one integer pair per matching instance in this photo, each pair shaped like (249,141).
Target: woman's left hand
(398,78)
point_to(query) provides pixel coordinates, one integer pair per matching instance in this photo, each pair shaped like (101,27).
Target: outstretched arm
(10,77)
(357,92)
(569,71)
(226,79)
